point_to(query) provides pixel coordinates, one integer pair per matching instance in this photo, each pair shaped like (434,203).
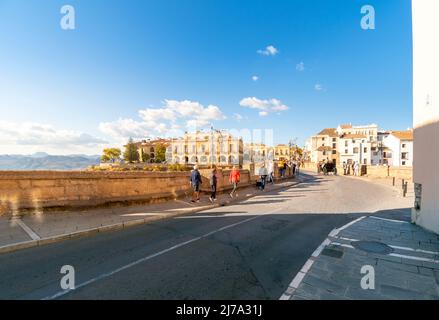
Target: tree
(144,157)
(111,155)
(160,153)
(131,155)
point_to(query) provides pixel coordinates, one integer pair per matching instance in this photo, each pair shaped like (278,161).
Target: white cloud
(318,87)
(300,66)
(169,120)
(266,106)
(269,51)
(255,78)
(237,117)
(123,129)
(28,137)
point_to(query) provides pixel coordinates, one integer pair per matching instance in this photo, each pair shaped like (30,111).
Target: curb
(127,224)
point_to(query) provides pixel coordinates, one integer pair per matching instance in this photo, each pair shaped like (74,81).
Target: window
(356,150)
(334,139)
(404,156)
(334,145)
(403,163)
(365,150)
(323,139)
(365,161)
(346,151)
(345,143)
(323,144)
(324,153)
(334,151)
(403,145)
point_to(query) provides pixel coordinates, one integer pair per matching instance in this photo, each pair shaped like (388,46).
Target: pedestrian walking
(195,181)
(325,169)
(213,180)
(234,178)
(345,168)
(357,168)
(270,172)
(263,173)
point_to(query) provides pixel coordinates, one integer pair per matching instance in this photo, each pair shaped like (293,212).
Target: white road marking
(308,264)
(132,264)
(220,215)
(139,214)
(390,254)
(28,230)
(342,245)
(349,224)
(394,247)
(413,257)
(390,220)
(415,250)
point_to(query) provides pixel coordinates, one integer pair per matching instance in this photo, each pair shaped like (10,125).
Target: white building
(398,148)
(323,146)
(426,113)
(213,147)
(357,143)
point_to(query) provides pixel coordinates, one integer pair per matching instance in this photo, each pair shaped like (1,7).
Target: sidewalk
(404,256)
(388,181)
(41,228)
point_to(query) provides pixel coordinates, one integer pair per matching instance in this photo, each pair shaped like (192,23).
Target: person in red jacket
(235,176)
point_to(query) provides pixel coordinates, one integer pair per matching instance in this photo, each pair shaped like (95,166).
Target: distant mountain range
(44,161)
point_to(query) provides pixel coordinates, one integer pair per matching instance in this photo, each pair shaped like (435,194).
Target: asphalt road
(251,250)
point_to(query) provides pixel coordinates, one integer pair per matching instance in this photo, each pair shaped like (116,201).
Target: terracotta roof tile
(403,135)
(328,132)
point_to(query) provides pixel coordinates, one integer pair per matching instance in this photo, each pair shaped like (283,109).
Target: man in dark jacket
(195,181)
(213,180)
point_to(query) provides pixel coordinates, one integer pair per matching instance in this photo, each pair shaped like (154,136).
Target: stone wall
(35,190)
(372,171)
(384,171)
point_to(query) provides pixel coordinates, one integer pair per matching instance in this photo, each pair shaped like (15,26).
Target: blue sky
(159,67)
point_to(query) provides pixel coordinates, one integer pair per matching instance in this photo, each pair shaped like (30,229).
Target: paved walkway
(404,257)
(48,225)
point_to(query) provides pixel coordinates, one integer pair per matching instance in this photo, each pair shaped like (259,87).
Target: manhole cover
(372,246)
(332,253)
